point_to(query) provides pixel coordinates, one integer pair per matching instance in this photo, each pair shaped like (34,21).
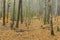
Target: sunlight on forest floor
(37,31)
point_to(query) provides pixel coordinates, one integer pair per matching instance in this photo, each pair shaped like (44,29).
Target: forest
(29,19)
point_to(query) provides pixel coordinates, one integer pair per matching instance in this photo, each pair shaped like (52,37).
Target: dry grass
(37,31)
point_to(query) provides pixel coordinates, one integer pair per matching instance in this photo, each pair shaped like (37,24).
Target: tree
(13,17)
(45,13)
(29,13)
(19,13)
(8,5)
(55,4)
(4,12)
(50,12)
(51,24)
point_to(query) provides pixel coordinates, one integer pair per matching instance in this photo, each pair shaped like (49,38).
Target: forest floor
(36,31)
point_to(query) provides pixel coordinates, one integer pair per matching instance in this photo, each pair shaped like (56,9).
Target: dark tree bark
(4,12)
(19,13)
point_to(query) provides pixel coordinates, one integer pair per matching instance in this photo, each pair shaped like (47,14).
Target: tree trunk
(50,12)
(8,11)
(51,24)
(45,13)
(13,17)
(4,12)
(19,12)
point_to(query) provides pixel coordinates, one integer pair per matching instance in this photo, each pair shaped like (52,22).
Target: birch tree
(50,12)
